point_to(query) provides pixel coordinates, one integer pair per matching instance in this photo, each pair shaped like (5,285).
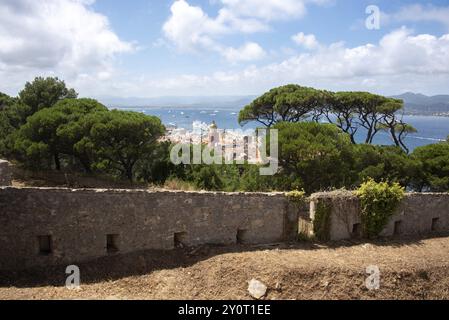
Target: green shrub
(322,221)
(378,203)
(298,199)
(296,196)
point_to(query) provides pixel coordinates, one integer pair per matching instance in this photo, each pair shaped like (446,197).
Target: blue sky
(147,48)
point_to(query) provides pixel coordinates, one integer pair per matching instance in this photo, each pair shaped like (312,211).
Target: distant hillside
(419,104)
(415,103)
(210,102)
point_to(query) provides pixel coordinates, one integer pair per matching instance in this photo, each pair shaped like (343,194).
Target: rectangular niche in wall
(112,243)
(397,228)
(179,239)
(356,230)
(435,224)
(242,236)
(45,245)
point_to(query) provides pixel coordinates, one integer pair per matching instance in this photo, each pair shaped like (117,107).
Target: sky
(152,48)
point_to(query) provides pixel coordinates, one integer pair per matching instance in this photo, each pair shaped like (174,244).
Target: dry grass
(176,184)
(26,178)
(410,269)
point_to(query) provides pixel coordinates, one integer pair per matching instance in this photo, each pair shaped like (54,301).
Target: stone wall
(75,224)
(5,173)
(50,226)
(418,214)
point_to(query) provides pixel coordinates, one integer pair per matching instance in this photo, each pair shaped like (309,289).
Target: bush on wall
(296,196)
(378,203)
(322,221)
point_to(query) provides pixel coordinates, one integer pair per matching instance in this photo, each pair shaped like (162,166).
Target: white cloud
(400,60)
(68,39)
(189,28)
(62,37)
(269,10)
(248,52)
(420,13)
(234,23)
(308,41)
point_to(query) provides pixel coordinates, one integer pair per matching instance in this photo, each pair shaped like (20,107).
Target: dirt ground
(409,269)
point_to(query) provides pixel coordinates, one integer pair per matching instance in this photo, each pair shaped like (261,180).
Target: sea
(431,129)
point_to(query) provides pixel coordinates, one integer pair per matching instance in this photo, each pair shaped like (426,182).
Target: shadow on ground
(117,266)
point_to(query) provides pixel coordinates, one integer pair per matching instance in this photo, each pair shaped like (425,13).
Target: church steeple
(213,126)
(213,134)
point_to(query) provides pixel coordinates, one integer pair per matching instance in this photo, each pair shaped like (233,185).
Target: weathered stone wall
(418,214)
(79,221)
(5,173)
(49,226)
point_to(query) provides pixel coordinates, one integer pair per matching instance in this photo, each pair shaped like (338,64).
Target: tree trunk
(352,138)
(404,146)
(129,173)
(369,136)
(57,162)
(86,165)
(395,139)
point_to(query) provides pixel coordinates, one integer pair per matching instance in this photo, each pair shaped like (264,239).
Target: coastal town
(236,145)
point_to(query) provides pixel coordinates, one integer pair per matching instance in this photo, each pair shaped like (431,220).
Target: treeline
(320,157)
(354,113)
(316,156)
(48,128)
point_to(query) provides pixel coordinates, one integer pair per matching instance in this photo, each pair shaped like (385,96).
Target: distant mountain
(211,102)
(419,104)
(415,103)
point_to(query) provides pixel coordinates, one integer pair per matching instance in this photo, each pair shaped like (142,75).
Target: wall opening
(45,245)
(242,236)
(180,239)
(435,224)
(397,228)
(356,230)
(112,243)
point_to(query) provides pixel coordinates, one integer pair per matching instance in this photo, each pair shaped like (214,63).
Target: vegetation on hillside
(57,131)
(352,112)
(48,128)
